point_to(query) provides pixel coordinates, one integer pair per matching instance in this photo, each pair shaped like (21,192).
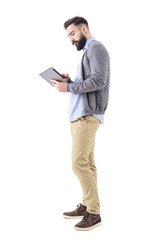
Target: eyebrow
(70,33)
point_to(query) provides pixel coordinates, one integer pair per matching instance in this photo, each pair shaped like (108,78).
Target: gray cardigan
(95,78)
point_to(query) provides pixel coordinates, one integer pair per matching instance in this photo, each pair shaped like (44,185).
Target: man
(89,100)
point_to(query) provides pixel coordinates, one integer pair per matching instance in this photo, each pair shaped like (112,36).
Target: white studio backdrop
(36,179)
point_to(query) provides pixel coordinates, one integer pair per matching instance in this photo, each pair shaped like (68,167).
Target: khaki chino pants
(83,132)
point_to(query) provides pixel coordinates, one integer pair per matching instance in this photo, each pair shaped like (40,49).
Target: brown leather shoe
(89,222)
(78,213)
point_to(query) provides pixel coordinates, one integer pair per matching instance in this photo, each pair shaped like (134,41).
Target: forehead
(71,28)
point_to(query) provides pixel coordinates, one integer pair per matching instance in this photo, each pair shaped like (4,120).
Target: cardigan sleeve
(99,64)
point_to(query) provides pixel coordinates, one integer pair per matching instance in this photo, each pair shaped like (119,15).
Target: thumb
(65,75)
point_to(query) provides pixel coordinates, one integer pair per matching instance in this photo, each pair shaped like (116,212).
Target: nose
(71,39)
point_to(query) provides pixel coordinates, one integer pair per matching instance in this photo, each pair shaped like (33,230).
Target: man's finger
(53,81)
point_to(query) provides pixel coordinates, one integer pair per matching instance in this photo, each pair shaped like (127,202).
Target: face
(76,36)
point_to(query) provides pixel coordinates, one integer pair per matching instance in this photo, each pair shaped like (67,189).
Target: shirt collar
(87,43)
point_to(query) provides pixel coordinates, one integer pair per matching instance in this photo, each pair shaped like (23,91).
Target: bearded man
(89,100)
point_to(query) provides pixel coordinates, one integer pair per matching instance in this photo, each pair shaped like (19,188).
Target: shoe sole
(89,228)
(73,217)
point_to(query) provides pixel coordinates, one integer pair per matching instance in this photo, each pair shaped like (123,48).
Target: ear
(84,29)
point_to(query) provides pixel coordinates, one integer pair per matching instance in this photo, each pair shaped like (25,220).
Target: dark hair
(76,21)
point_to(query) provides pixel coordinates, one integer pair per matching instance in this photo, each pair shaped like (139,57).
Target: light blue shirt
(76,109)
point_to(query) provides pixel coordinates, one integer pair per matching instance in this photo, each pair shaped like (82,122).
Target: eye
(72,34)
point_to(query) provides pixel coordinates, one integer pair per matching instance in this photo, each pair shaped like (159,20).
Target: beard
(81,43)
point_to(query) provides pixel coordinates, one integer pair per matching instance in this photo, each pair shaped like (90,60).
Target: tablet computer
(51,73)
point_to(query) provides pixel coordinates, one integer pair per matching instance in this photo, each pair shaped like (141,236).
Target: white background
(36,179)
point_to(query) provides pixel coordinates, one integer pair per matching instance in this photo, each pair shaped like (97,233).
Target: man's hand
(61,86)
(66,76)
